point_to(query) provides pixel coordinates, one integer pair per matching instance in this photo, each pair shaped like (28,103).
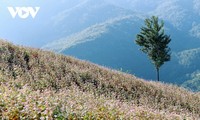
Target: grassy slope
(39,84)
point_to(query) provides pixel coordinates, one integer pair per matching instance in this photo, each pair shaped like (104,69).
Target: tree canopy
(154,42)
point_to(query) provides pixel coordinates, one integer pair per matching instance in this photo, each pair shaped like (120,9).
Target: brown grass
(43,71)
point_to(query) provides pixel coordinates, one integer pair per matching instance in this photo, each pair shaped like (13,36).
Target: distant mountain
(189,58)
(55,19)
(85,14)
(193,82)
(95,31)
(173,11)
(181,17)
(189,66)
(111,42)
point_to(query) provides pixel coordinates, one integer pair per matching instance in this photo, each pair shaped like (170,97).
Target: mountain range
(104,31)
(111,43)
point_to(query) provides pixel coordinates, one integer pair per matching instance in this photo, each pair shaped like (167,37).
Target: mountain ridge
(94,32)
(112,44)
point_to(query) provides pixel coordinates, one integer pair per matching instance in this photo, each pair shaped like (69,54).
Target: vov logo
(23,12)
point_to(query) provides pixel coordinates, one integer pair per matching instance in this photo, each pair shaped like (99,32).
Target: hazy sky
(22,31)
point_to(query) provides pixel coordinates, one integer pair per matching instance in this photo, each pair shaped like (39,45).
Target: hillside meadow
(36,84)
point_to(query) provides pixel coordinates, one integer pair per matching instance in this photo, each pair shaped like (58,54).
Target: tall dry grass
(40,72)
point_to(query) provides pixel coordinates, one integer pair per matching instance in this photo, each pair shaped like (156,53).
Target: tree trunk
(158,75)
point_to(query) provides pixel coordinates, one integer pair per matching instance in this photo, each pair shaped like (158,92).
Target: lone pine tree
(154,42)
